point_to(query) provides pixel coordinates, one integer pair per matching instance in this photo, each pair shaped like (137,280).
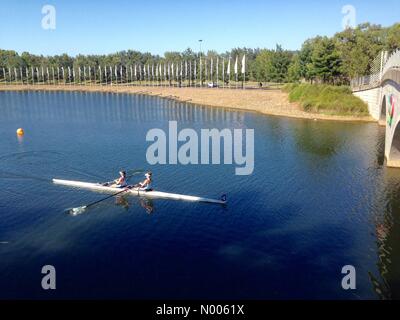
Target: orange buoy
(20,132)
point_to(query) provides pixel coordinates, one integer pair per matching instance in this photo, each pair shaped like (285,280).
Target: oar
(79,210)
(131,173)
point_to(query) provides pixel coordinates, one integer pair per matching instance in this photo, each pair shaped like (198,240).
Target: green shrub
(326,99)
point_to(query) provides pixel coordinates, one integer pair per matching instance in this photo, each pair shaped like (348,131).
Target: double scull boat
(135,192)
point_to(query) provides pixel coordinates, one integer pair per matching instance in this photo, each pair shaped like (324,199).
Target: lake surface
(320,198)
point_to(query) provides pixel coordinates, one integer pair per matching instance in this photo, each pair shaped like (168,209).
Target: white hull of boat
(135,192)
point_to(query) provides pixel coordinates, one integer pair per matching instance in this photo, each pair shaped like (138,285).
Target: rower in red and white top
(121,181)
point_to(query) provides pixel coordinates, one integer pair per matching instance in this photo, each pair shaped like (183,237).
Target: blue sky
(157,26)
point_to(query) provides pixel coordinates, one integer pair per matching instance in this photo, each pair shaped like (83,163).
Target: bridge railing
(366,82)
(381,64)
(393,62)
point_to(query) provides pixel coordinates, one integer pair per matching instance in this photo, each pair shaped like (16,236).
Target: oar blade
(76,211)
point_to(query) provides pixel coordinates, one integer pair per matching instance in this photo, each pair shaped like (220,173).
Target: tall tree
(278,65)
(325,60)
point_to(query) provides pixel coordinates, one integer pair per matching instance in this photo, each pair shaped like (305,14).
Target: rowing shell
(136,192)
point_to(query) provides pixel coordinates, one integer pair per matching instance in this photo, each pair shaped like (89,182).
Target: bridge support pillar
(392,136)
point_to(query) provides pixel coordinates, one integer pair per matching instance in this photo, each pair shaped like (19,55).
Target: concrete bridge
(381,91)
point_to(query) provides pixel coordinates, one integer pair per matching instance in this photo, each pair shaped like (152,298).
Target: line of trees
(335,59)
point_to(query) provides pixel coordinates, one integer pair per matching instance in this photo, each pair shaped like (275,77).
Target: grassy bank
(326,99)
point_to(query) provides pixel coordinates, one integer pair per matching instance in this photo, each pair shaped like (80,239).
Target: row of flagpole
(185,73)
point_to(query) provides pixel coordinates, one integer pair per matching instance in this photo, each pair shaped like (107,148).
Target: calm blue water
(320,198)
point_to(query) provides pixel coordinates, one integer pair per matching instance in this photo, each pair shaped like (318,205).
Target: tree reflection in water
(323,141)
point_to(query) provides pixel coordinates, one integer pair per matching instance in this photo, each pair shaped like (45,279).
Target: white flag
(228,70)
(244,64)
(236,65)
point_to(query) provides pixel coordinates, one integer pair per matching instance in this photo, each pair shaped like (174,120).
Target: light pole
(200,41)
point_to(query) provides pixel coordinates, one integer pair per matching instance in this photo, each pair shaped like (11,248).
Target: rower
(120,182)
(145,185)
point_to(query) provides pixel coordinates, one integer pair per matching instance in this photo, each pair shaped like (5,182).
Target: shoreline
(273,102)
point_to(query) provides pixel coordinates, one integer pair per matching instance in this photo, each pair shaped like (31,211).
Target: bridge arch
(382,118)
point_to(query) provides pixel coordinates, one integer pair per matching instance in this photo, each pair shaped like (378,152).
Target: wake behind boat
(137,192)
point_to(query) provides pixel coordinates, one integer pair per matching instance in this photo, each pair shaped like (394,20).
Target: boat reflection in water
(146,204)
